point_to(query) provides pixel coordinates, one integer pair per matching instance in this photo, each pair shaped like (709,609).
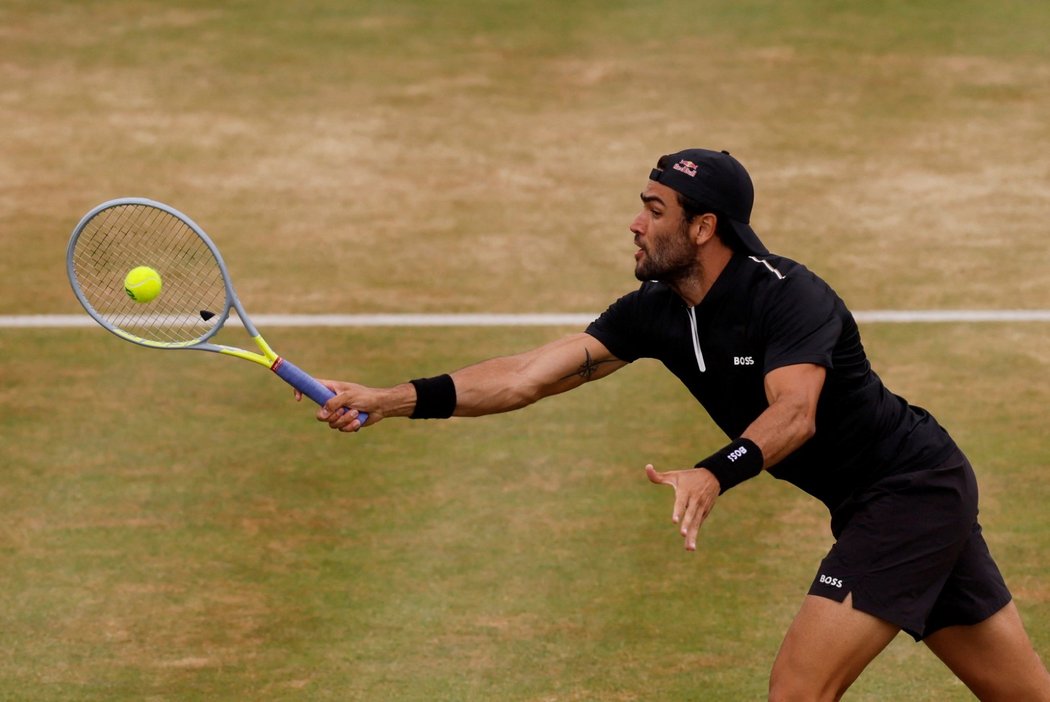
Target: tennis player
(775,357)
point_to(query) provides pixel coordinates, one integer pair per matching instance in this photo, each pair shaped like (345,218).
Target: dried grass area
(477,174)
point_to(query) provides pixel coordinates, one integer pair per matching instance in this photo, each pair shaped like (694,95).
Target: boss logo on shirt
(743,361)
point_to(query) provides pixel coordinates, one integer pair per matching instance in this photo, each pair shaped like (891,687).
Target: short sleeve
(617,328)
(800,322)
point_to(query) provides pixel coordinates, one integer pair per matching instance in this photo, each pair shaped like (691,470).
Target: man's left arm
(791,418)
(789,421)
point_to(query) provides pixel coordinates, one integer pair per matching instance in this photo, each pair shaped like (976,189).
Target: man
(775,357)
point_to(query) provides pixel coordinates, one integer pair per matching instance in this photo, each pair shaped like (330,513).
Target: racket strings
(125,236)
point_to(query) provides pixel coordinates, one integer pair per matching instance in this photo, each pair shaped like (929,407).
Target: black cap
(717,180)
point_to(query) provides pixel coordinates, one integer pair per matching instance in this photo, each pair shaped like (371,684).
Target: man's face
(666,251)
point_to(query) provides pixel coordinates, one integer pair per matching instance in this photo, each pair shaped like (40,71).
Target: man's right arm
(496,385)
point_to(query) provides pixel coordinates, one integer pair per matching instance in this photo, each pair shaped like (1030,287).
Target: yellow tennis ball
(142,284)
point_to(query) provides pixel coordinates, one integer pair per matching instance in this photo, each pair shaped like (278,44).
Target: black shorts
(910,551)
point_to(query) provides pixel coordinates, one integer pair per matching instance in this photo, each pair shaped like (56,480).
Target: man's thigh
(994,658)
(826,647)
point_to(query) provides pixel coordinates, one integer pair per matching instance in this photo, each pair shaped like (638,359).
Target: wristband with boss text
(734,463)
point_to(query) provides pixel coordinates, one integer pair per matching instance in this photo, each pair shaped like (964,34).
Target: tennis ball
(142,284)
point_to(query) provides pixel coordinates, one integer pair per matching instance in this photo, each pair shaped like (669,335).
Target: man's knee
(786,685)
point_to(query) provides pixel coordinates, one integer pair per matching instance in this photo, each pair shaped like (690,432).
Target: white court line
(68,321)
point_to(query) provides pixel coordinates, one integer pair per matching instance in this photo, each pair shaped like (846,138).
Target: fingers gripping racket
(191,294)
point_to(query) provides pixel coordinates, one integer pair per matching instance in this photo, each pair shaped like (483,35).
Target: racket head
(119,235)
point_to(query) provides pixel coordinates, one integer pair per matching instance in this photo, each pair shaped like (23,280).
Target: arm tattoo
(587,369)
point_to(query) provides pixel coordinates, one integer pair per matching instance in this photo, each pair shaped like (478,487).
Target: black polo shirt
(766,313)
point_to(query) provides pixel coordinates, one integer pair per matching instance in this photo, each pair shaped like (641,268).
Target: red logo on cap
(687,167)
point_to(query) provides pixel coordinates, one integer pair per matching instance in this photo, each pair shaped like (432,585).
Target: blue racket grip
(305,383)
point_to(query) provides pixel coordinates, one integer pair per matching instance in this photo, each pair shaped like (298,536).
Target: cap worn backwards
(717,180)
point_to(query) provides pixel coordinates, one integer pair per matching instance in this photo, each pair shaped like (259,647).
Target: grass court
(175,527)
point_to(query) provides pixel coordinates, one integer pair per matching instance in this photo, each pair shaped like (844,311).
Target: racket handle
(306,384)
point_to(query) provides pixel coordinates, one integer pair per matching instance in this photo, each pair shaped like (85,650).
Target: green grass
(224,545)
(175,528)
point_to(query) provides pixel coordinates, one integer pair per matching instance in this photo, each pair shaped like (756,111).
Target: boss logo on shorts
(828,580)
(743,360)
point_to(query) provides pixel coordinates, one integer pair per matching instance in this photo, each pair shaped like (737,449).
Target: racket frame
(284,369)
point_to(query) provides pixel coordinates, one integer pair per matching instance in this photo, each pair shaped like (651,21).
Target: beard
(669,260)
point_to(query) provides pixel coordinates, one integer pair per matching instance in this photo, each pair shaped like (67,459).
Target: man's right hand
(350,399)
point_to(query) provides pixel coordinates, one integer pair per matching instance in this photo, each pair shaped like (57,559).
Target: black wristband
(734,463)
(435,397)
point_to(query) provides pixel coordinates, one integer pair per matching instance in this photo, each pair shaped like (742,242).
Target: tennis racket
(195,296)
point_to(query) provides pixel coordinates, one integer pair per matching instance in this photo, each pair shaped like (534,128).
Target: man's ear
(702,228)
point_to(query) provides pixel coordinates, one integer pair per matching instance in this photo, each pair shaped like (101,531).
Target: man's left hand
(695,492)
